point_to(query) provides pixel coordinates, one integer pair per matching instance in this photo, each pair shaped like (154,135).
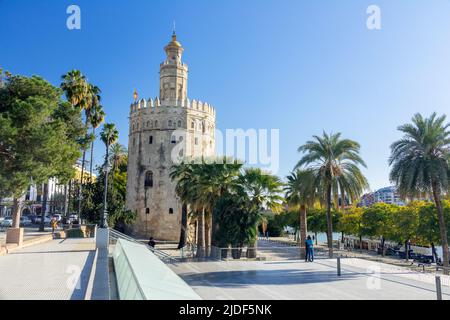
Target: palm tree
(91,102)
(74,86)
(334,164)
(420,164)
(263,191)
(97,117)
(109,136)
(262,188)
(300,192)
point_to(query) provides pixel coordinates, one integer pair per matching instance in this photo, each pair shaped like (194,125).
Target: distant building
(387,195)
(34,196)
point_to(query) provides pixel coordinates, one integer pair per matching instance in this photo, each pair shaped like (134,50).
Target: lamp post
(104,221)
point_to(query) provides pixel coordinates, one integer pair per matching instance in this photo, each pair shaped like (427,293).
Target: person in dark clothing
(309,250)
(151,242)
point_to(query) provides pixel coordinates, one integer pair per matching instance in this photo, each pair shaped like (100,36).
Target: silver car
(7,222)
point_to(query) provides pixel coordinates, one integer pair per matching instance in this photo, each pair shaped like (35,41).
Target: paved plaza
(295,279)
(54,270)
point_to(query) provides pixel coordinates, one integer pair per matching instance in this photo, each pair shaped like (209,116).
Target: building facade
(387,195)
(162,130)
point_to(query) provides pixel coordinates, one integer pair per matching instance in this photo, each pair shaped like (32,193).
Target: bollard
(339,266)
(438,288)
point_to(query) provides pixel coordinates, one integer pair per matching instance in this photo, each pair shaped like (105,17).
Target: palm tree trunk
(208,230)
(82,170)
(184,227)
(303,230)
(442,226)
(44,208)
(92,154)
(201,234)
(329,223)
(16,213)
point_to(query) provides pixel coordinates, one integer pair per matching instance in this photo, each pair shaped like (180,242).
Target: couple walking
(309,256)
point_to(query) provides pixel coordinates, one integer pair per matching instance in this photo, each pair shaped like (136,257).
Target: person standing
(309,250)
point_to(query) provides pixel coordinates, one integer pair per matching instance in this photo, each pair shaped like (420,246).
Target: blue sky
(299,66)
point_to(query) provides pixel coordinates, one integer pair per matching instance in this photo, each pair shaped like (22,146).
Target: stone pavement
(54,270)
(294,279)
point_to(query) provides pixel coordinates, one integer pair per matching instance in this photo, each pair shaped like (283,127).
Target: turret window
(150,139)
(148,179)
(170,210)
(170,123)
(174,139)
(179,123)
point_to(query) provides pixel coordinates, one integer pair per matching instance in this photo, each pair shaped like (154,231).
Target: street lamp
(104,221)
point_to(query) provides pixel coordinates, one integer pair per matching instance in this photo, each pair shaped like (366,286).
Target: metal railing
(114,235)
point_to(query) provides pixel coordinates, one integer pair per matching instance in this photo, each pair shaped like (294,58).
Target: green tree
(39,136)
(420,164)
(377,222)
(334,163)
(352,223)
(405,220)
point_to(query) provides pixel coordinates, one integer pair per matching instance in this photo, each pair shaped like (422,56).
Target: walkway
(54,270)
(294,279)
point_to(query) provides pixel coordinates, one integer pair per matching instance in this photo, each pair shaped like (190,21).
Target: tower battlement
(157,106)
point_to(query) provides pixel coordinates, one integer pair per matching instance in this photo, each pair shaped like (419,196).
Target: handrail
(160,254)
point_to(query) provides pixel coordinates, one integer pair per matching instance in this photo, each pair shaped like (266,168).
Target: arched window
(174,139)
(179,123)
(150,139)
(148,179)
(192,125)
(148,124)
(170,210)
(156,123)
(147,210)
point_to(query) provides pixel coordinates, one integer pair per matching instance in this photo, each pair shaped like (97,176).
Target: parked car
(25,221)
(39,219)
(32,217)
(73,217)
(7,222)
(58,217)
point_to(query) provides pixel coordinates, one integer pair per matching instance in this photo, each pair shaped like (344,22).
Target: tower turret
(173,73)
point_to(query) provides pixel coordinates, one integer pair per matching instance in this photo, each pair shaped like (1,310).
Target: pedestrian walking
(53,224)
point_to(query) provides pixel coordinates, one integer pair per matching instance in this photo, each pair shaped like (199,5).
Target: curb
(26,243)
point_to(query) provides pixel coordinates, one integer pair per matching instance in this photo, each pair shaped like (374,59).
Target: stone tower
(160,130)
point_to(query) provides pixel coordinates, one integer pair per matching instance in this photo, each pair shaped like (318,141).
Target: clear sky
(299,66)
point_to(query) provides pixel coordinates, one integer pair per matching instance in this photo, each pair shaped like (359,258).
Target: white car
(7,222)
(73,217)
(46,220)
(25,221)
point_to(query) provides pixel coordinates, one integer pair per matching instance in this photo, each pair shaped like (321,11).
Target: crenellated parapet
(160,106)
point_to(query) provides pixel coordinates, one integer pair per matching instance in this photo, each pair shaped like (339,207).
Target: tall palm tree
(334,163)
(218,175)
(182,173)
(420,164)
(74,86)
(97,117)
(300,193)
(89,104)
(109,136)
